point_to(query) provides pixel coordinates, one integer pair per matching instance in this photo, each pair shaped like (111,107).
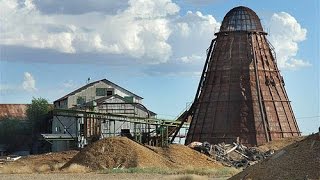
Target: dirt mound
(299,160)
(123,152)
(280,143)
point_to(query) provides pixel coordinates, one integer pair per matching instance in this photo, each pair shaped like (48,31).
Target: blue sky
(155,49)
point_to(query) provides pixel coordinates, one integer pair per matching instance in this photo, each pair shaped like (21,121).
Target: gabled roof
(102,99)
(91,84)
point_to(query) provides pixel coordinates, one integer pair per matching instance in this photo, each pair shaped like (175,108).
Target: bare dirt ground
(124,176)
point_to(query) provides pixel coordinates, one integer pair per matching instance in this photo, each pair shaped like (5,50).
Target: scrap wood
(224,153)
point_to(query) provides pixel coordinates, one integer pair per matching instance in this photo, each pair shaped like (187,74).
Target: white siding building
(100,97)
(94,91)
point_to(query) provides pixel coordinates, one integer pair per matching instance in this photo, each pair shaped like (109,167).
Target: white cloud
(192,35)
(285,35)
(82,6)
(147,31)
(69,84)
(140,31)
(192,58)
(144,30)
(296,63)
(201,2)
(29,84)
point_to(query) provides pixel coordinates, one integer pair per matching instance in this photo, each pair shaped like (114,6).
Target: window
(101,91)
(128,99)
(104,91)
(109,92)
(82,129)
(81,100)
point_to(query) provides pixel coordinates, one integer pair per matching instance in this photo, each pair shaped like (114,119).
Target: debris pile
(121,152)
(9,158)
(236,155)
(300,160)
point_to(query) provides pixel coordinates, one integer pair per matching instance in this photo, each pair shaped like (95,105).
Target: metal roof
(13,111)
(102,99)
(241,19)
(91,84)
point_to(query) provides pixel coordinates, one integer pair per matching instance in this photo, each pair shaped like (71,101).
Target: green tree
(9,128)
(37,113)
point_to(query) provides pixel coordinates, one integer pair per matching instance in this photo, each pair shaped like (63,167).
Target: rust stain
(13,111)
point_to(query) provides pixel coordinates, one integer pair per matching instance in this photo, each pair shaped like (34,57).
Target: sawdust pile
(280,143)
(121,152)
(40,163)
(300,160)
(52,157)
(185,157)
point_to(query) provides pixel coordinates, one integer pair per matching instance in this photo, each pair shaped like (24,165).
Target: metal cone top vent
(241,19)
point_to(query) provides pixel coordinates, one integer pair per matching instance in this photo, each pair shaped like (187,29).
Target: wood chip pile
(48,162)
(121,152)
(185,157)
(300,160)
(280,143)
(62,157)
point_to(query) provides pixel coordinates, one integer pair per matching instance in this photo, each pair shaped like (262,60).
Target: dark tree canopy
(37,113)
(10,129)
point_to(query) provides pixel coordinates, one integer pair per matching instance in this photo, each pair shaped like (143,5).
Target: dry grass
(25,169)
(13,170)
(188,177)
(95,176)
(43,168)
(76,168)
(57,166)
(216,172)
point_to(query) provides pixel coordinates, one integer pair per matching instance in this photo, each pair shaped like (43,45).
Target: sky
(154,48)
